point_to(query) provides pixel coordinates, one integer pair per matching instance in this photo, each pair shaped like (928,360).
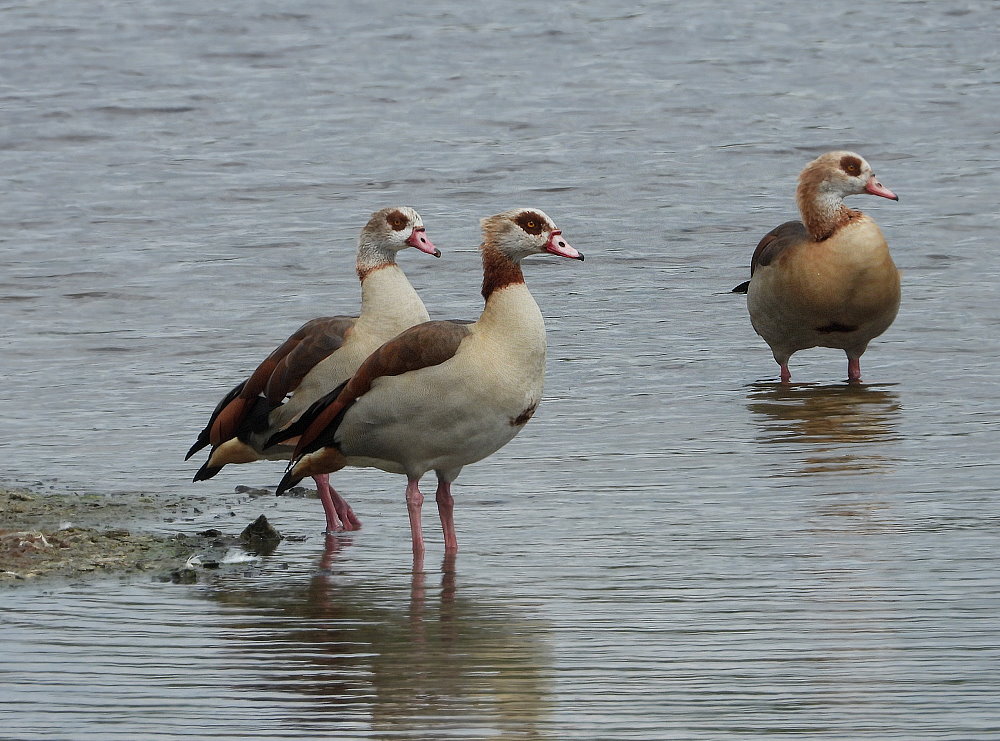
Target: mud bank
(52,536)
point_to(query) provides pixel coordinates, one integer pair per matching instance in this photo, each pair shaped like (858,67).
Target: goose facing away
(827,280)
(323,353)
(443,394)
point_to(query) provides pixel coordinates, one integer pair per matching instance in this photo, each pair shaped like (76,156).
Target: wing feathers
(777,241)
(278,375)
(422,346)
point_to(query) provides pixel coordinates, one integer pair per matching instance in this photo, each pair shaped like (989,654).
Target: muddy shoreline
(52,536)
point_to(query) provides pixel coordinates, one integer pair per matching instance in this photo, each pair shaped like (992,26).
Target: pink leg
(341,508)
(326,497)
(854,370)
(786,375)
(414,501)
(335,507)
(446,509)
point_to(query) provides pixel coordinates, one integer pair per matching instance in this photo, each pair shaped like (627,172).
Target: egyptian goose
(320,355)
(442,394)
(828,280)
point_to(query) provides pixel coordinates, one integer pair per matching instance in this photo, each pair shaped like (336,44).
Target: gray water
(676,547)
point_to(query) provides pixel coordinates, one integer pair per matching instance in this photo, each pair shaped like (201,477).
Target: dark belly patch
(523,417)
(835,327)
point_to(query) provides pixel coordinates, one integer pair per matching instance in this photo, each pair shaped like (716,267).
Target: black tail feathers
(305,419)
(206,472)
(287,482)
(200,443)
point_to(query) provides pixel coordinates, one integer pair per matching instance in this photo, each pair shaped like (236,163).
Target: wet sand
(72,536)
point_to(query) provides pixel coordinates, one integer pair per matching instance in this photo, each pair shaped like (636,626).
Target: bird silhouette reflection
(372,656)
(833,429)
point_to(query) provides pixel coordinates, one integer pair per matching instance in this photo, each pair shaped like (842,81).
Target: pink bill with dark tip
(559,246)
(418,238)
(876,188)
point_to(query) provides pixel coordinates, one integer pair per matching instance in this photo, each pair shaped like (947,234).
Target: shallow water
(676,546)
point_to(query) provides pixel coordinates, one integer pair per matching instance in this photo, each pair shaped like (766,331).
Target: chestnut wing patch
(280,372)
(314,342)
(422,346)
(777,241)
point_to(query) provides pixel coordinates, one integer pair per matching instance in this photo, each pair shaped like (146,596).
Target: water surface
(676,546)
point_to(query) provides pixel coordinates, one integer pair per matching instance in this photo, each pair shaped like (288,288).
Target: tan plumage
(828,280)
(321,354)
(443,395)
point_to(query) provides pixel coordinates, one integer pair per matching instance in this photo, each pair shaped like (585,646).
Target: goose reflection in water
(838,429)
(371,658)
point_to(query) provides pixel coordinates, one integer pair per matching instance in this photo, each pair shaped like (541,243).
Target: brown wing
(777,241)
(317,340)
(422,346)
(281,372)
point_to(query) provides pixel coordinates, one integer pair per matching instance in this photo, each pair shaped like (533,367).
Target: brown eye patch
(530,222)
(397,220)
(851,165)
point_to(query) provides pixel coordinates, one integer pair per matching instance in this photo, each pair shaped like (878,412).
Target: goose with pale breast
(442,394)
(321,354)
(827,280)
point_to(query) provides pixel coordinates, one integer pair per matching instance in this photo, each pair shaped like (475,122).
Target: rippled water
(676,547)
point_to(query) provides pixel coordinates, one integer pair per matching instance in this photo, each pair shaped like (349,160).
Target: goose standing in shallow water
(320,355)
(828,280)
(442,394)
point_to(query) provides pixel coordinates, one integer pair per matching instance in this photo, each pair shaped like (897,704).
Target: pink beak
(418,238)
(559,246)
(876,188)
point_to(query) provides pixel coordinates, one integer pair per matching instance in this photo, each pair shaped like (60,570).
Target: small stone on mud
(184,576)
(260,530)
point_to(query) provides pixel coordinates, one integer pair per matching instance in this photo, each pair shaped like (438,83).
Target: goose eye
(396,220)
(850,165)
(530,222)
